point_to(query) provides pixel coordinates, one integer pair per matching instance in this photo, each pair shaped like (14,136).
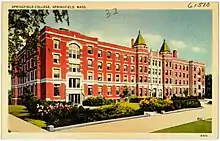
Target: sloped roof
(164,47)
(140,40)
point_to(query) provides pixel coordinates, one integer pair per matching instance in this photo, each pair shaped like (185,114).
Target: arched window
(74,51)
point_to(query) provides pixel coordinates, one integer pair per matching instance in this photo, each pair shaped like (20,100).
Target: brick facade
(71,66)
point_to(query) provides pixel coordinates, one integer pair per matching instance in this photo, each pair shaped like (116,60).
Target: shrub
(136,100)
(210,102)
(97,101)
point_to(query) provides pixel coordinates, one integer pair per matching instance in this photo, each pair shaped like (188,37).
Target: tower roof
(139,40)
(164,47)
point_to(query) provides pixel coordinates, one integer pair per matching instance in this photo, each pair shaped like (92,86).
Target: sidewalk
(18,125)
(146,124)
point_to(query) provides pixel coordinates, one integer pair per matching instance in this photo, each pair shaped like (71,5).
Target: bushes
(136,100)
(210,102)
(169,105)
(97,101)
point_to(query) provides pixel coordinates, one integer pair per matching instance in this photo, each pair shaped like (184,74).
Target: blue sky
(188,31)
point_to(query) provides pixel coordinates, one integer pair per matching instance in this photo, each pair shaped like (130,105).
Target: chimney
(174,53)
(132,43)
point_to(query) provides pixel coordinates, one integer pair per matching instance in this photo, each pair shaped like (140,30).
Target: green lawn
(20,111)
(193,127)
(132,105)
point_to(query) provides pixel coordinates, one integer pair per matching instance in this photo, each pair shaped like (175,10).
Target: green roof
(164,47)
(139,40)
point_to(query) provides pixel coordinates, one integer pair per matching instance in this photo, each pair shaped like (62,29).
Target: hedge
(97,101)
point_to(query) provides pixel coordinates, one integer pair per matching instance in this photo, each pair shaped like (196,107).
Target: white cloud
(198,49)
(175,44)
(153,41)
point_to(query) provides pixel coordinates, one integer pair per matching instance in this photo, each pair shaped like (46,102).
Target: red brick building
(72,66)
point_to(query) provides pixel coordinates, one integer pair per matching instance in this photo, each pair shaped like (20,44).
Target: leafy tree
(24,28)
(208,86)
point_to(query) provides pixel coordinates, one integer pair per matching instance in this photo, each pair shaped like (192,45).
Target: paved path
(18,125)
(146,124)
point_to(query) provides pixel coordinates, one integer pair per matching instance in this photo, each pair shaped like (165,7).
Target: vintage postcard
(144,70)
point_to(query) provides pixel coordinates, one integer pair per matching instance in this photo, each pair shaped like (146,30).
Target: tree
(24,28)
(126,92)
(208,86)
(9,97)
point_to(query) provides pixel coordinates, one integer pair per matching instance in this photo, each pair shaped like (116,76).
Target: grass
(20,111)
(203,126)
(132,105)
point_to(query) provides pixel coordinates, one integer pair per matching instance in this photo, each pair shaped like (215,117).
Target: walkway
(146,124)
(18,125)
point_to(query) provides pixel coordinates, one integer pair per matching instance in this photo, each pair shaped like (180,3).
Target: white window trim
(55,38)
(134,68)
(59,58)
(124,78)
(98,65)
(107,77)
(124,68)
(59,91)
(88,75)
(116,68)
(119,77)
(92,62)
(102,76)
(53,72)
(116,57)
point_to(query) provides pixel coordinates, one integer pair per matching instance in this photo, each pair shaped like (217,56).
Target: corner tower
(141,64)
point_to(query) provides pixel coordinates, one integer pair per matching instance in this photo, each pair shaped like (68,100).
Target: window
(99,53)
(145,69)
(199,87)
(125,78)
(117,78)
(117,90)
(56,44)
(149,79)
(32,75)
(187,76)
(149,70)
(125,58)
(99,65)
(90,75)
(90,50)
(132,90)
(56,73)
(140,68)
(141,78)
(180,67)
(145,79)
(180,91)
(187,82)
(125,68)
(109,66)
(90,90)
(194,68)
(183,82)
(145,59)
(132,59)
(170,64)
(170,72)
(99,77)
(170,80)
(132,69)
(194,90)
(90,62)
(184,75)
(166,64)
(117,56)
(166,72)
(140,58)
(109,77)
(159,80)
(159,63)
(180,82)
(180,74)
(166,81)
(187,68)
(74,67)
(109,90)
(199,79)
(132,78)
(155,62)
(159,73)
(74,51)
(140,91)
(109,54)
(176,74)
(56,89)
(117,67)
(74,82)
(194,75)
(100,90)
(149,62)
(175,81)
(183,67)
